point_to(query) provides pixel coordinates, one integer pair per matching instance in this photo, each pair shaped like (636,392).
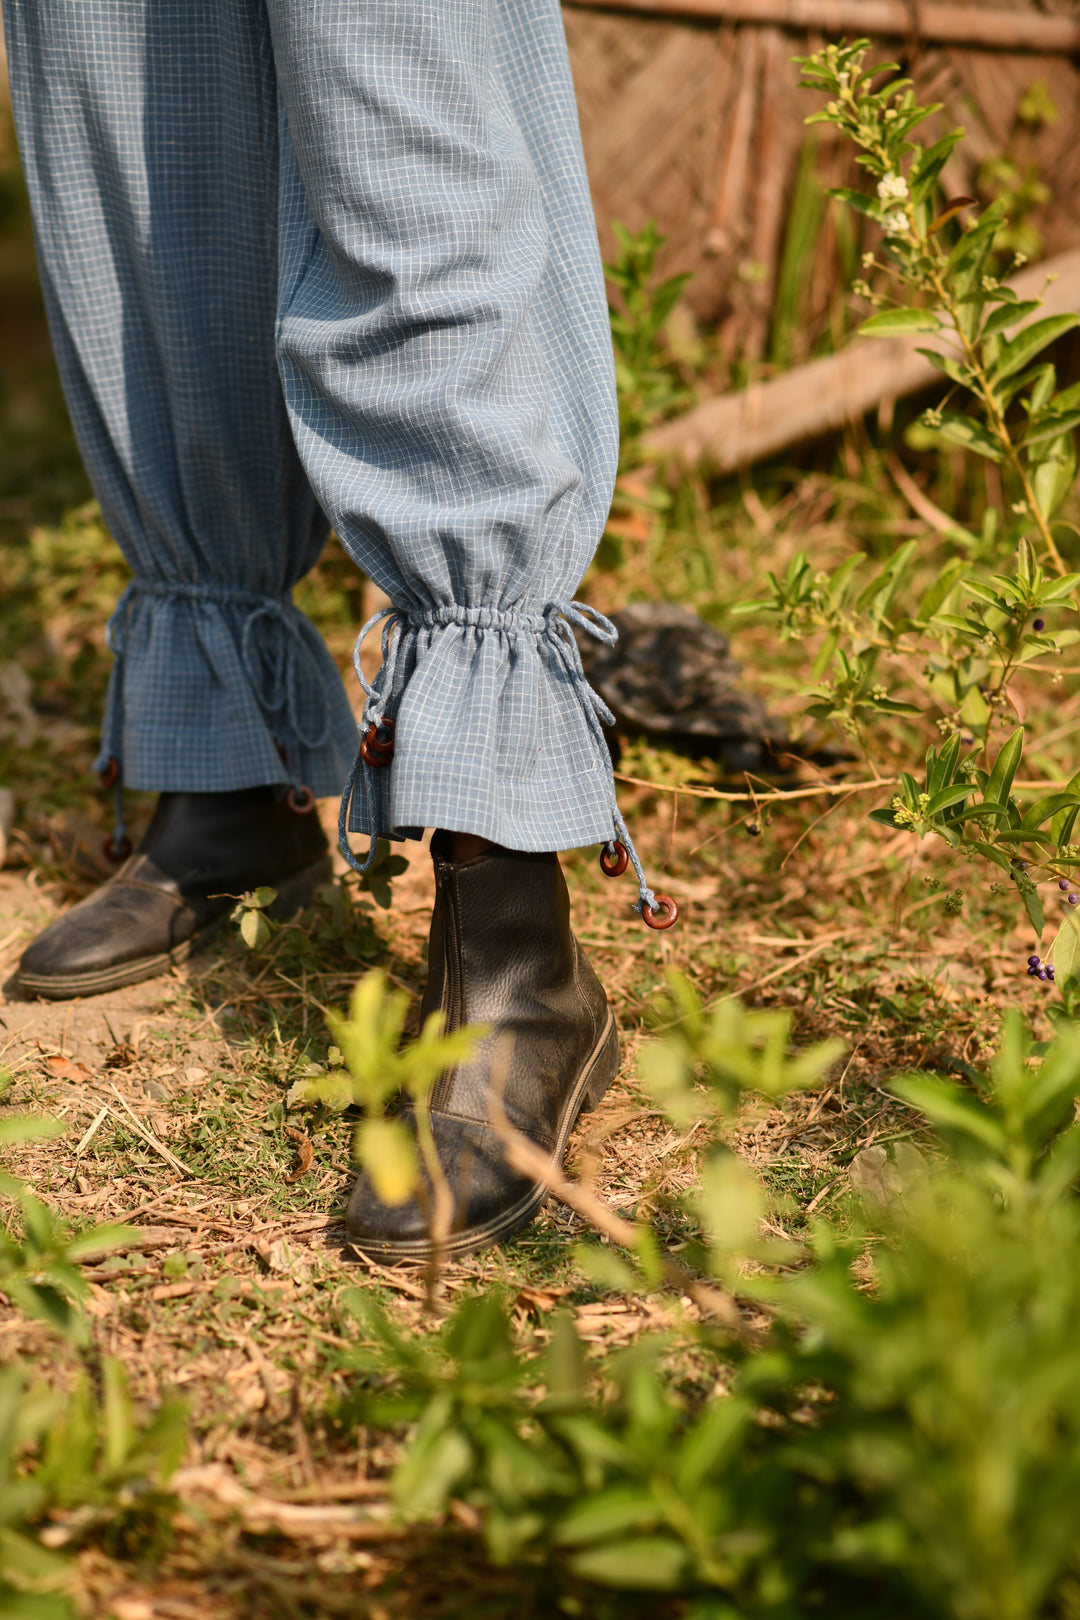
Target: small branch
(529,1160)
(826,790)
(149,1138)
(214,1483)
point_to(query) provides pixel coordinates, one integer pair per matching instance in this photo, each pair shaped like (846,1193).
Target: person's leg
(149,136)
(446,360)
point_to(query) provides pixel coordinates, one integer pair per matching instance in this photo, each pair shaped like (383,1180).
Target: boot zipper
(453,984)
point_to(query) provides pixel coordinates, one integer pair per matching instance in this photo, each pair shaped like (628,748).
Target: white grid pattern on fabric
(340,256)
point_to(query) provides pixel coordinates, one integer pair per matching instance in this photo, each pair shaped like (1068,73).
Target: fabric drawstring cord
(376,698)
(275,686)
(556,623)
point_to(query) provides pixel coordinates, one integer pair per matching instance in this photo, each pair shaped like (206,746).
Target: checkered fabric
(309,257)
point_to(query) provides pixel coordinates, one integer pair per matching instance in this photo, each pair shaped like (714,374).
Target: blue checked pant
(311,260)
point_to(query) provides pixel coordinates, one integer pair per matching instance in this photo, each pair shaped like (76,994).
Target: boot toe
(124,930)
(491,1202)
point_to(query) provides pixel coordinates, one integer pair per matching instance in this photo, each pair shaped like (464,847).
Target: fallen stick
(213,1482)
(899,19)
(529,1160)
(148,1137)
(737,430)
(826,790)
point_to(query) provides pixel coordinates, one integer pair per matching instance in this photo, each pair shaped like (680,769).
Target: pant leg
(149,135)
(446,360)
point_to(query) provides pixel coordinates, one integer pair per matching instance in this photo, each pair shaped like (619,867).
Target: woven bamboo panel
(700,125)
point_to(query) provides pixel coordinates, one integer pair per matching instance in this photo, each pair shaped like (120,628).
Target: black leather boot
(501,953)
(160,905)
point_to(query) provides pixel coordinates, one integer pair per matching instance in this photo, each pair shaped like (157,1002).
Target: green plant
(378,1073)
(39,1266)
(343,916)
(75,1466)
(649,385)
(928,635)
(903,1436)
(1021,421)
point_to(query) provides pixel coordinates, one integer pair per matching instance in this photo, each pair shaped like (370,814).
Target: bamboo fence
(692,115)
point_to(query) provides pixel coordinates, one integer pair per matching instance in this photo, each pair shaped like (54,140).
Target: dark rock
(671,679)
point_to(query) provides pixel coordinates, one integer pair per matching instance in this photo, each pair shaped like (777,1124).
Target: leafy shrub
(905,1436)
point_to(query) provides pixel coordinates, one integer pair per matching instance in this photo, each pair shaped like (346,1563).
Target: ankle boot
(501,953)
(166,899)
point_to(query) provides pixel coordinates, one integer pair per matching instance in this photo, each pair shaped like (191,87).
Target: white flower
(892,188)
(894,224)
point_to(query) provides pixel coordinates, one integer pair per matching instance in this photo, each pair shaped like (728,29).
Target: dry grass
(235,1294)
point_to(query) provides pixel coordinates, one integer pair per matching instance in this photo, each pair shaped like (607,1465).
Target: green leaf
(950,795)
(1030,342)
(19,1128)
(1051,427)
(1004,768)
(255,931)
(100,1240)
(649,1563)
(925,172)
(1029,899)
(1066,949)
(387,1152)
(885,818)
(1053,477)
(423,1484)
(949,1108)
(891,322)
(858,200)
(969,434)
(949,577)
(1037,813)
(1008,315)
(974,244)
(946,363)
(595,1518)
(1056,590)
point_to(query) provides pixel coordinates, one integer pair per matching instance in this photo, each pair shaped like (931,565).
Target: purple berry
(1063,884)
(1033,973)
(1050,970)
(754,830)
(1033,961)
(1038,624)
(1074,899)
(1042,974)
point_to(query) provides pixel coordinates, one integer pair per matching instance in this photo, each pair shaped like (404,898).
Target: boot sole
(593,1085)
(293,894)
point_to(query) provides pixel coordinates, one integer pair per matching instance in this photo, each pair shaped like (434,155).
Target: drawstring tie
(275,683)
(556,623)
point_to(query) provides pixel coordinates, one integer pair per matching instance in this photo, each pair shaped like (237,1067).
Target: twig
(91,1132)
(827,789)
(788,967)
(778,796)
(292,1519)
(150,1139)
(529,1160)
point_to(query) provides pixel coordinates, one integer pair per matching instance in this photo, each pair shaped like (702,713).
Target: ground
(237,1295)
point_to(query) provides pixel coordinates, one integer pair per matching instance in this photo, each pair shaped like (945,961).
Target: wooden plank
(922,19)
(737,430)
